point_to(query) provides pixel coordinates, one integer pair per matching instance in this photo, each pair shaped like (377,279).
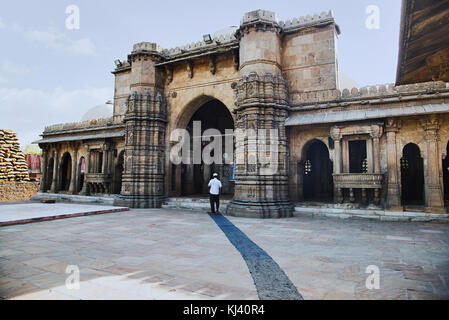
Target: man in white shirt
(214,191)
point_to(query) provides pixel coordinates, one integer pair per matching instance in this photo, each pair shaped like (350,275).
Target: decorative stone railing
(361,181)
(99,183)
(305,21)
(103,122)
(371,92)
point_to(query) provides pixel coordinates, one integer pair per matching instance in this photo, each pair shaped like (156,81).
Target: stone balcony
(361,181)
(99,183)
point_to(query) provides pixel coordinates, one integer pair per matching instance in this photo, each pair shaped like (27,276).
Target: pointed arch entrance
(191,179)
(412,175)
(318,169)
(66,171)
(446,175)
(81,173)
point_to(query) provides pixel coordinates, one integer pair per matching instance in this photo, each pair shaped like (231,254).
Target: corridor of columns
(85,169)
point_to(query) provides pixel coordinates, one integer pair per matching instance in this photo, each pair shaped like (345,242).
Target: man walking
(214,190)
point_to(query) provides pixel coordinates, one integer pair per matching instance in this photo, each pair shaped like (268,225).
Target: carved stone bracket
(431,124)
(169,72)
(190,68)
(213,64)
(392,125)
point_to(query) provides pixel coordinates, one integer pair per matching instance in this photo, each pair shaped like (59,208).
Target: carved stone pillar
(85,190)
(105,166)
(376,133)
(72,187)
(434,193)
(261,186)
(44,171)
(393,188)
(143,178)
(54,184)
(336,136)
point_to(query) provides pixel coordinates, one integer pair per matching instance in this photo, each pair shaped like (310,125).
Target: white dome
(98,112)
(224,32)
(346,82)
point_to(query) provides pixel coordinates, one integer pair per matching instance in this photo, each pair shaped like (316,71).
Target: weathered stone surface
(271,75)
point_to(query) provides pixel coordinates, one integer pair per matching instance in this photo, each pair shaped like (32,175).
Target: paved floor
(28,211)
(173,254)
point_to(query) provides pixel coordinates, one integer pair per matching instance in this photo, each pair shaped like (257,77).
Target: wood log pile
(13,166)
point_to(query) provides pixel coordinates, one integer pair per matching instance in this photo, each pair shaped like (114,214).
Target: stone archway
(189,179)
(317,172)
(81,173)
(446,174)
(412,175)
(66,171)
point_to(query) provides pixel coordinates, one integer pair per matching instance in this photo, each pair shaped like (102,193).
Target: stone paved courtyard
(174,254)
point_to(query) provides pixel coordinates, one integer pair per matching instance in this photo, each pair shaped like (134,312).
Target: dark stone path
(270,280)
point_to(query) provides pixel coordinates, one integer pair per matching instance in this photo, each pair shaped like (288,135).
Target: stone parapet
(307,21)
(371,92)
(88,124)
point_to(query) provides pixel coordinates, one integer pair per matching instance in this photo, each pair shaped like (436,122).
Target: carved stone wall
(261,187)
(143,177)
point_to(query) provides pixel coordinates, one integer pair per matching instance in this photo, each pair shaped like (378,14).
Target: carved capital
(213,64)
(169,73)
(335,133)
(392,125)
(190,69)
(430,123)
(376,131)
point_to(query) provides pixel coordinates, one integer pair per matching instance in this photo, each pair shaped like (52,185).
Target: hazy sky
(50,74)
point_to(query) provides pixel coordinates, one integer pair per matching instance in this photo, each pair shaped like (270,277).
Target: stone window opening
(357,175)
(358,162)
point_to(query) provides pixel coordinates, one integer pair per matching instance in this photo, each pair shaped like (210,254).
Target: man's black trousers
(214,199)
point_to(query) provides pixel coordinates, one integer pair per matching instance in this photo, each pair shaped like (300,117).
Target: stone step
(43,196)
(202,204)
(372,214)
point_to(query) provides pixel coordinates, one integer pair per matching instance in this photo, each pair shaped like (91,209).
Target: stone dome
(100,111)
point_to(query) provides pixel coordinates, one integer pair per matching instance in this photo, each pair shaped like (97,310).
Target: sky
(52,74)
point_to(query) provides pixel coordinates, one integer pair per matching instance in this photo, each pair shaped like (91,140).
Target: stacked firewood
(13,166)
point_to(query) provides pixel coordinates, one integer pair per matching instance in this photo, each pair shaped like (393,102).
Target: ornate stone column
(72,188)
(85,190)
(376,133)
(393,188)
(146,120)
(44,170)
(55,179)
(261,186)
(336,136)
(432,188)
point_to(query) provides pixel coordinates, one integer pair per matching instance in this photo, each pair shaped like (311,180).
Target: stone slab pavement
(183,254)
(26,212)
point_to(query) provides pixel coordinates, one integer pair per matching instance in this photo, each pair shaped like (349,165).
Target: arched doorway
(318,182)
(49,177)
(66,171)
(412,175)
(118,172)
(81,172)
(446,174)
(212,114)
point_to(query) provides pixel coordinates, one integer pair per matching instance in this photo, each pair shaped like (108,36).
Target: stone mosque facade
(383,146)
